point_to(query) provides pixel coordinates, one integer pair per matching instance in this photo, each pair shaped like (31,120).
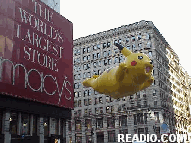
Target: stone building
(99,118)
(179,80)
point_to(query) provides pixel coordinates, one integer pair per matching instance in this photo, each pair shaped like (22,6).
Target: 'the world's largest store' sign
(36,56)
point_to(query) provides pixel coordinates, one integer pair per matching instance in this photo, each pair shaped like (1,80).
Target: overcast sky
(171,17)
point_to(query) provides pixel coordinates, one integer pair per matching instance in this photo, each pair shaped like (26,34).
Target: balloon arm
(147,83)
(120,71)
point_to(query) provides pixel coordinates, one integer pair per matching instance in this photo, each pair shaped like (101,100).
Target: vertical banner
(36,53)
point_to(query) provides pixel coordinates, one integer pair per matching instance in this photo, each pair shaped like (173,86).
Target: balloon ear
(126,52)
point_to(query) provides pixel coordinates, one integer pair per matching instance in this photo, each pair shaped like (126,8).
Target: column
(19,124)
(116,127)
(105,136)
(105,129)
(31,125)
(94,138)
(130,124)
(6,127)
(41,129)
(59,126)
(83,130)
(67,134)
(64,129)
(50,126)
(73,130)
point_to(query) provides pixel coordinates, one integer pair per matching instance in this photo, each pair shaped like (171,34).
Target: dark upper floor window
(108,44)
(104,45)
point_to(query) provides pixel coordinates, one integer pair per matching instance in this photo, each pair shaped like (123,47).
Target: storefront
(36,73)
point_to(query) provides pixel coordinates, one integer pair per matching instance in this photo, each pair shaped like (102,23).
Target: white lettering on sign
(42,88)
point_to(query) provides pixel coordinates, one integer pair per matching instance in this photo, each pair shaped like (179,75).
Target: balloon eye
(140,57)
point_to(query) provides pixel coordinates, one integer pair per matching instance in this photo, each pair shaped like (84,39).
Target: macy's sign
(42,88)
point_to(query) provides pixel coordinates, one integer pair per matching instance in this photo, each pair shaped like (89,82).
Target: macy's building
(36,73)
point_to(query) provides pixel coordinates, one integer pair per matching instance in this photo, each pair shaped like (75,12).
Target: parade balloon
(131,76)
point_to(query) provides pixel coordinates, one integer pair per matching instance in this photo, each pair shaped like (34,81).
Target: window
(150,53)
(78,125)
(88,57)
(108,44)
(139,37)
(104,45)
(100,100)
(111,122)
(85,93)
(133,47)
(46,126)
(55,125)
(105,62)
(88,50)
(13,122)
(98,46)
(155,103)
(85,102)
(79,103)
(140,45)
(138,94)
(96,101)
(85,66)
(115,42)
(140,118)
(109,61)
(1,120)
(145,118)
(107,99)
(35,119)
(145,103)
(128,47)
(98,55)
(84,50)
(116,60)
(25,124)
(88,124)
(119,41)
(108,109)
(94,56)
(154,92)
(84,58)
(149,45)
(127,40)
(133,38)
(99,123)
(123,120)
(69,126)
(89,101)
(135,119)
(147,36)
(75,103)
(156,114)
(89,92)
(109,53)
(94,47)
(105,54)
(111,136)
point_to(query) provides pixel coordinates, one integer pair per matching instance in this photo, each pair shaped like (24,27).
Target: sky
(171,17)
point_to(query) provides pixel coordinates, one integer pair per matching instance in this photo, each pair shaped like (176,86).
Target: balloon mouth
(148,69)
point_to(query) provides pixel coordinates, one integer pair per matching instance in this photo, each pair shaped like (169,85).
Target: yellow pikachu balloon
(129,77)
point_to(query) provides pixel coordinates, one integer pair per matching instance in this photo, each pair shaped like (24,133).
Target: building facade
(30,111)
(180,92)
(99,118)
(54,4)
